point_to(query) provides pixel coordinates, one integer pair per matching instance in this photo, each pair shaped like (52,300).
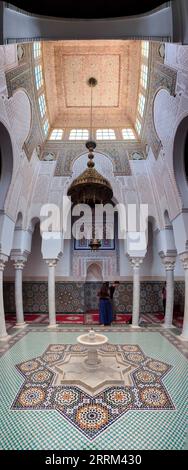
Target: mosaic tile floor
(150,413)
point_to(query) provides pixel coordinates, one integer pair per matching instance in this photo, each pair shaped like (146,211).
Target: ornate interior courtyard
(94,227)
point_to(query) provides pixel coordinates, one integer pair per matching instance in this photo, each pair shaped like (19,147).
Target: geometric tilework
(78,297)
(93,414)
(136,429)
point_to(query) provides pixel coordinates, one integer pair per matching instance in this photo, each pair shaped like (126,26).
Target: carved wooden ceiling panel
(67,67)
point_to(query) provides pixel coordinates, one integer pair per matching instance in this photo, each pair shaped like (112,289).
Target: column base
(53,326)
(183,338)
(5,338)
(168,326)
(20,325)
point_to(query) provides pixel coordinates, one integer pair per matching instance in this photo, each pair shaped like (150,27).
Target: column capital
(51,263)
(169,262)
(19,264)
(184,260)
(18,259)
(136,261)
(3,260)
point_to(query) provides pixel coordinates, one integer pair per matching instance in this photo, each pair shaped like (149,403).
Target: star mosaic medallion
(92,400)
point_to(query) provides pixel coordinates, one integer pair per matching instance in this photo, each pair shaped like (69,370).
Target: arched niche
(103,164)
(167,219)
(180,160)
(152,263)
(169,233)
(150,241)
(19,221)
(151,229)
(33,222)
(153,223)
(6,164)
(35,266)
(164,115)
(94,272)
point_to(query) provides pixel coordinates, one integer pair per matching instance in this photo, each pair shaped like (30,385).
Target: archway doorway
(92,286)
(6,164)
(181,160)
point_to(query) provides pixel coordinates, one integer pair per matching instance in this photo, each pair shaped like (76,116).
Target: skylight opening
(38,76)
(105,134)
(141,104)
(138,126)
(128,134)
(79,134)
(42,105)
(46,127)
(56,134)
(144,76)
(37,49)
(145,49)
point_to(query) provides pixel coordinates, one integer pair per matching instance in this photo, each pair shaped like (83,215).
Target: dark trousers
(164,305)
(105,311)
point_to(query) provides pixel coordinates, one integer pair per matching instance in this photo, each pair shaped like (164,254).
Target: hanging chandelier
(91,187)
(95,244)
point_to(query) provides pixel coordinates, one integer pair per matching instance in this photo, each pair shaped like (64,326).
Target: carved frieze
(165,77)
(119,152)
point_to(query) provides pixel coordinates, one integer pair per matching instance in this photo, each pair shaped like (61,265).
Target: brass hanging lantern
(95,244)
(91,187)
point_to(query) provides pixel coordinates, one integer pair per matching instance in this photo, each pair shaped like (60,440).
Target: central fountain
(92,341)
(93,367)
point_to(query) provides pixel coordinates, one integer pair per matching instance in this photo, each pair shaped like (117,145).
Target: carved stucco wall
(108,263)
(161,76)
(22,76)
(67,152)
(139,186)
(169,111)
(15,114)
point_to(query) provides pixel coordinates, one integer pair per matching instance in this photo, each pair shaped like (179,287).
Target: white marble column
(184,335)
(3,332)
(19,265)
(169,264)
(136,263)
(51,292)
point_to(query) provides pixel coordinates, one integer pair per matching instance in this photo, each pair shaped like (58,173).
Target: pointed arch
(6,164)
(180,160)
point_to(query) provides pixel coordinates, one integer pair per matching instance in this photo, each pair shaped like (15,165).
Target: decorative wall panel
(117,151)
(81,297)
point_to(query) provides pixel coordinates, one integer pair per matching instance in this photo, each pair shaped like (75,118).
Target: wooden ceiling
(68,65)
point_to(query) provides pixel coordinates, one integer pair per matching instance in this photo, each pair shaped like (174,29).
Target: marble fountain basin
(92,341)
(93,369)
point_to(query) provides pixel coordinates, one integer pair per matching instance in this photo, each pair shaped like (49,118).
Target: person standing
(112,289)
(105,306)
